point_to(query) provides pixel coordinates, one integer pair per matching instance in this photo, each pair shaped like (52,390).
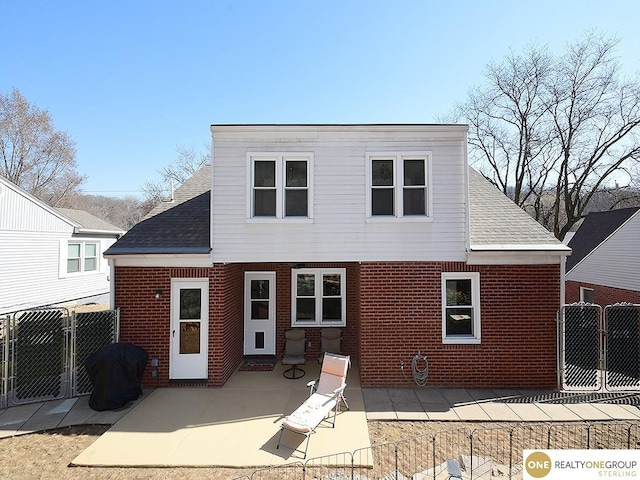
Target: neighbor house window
(318,297)
(398,185)
(82,257)
(281,186)
(461,307)
(586,295)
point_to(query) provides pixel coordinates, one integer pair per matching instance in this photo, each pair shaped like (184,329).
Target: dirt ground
(47,454)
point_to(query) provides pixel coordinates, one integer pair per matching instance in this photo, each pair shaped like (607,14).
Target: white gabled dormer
(339,193)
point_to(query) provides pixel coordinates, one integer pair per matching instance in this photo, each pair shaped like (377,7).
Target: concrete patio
(237,425)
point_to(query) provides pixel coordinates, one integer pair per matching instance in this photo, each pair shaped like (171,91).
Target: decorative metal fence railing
(599,348)
(42,352)
(483,453)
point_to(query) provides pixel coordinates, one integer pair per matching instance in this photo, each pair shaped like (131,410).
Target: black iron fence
(42,352)
(482,453)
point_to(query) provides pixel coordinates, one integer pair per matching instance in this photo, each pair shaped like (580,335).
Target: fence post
(72,355)
(4,393)
(117,326)
(471,454)
(559,355)
(433,451)
(510,453)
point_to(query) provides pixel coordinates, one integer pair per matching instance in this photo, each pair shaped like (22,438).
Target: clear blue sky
(131,80)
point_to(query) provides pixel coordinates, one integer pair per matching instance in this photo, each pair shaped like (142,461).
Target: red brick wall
(393,311)
(145,320)
(601,295)
(401,314)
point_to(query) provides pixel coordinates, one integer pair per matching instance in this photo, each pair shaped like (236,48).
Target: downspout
(559,353)
(467,198)
(112,283)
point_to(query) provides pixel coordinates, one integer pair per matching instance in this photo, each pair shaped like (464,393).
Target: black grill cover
(116,374)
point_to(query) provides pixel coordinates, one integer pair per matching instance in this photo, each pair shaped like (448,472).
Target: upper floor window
(82,257)
(399,185)
(461,307)
(318,297)
(280,185)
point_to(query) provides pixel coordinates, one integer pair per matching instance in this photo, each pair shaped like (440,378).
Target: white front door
(189,328)
(259,313)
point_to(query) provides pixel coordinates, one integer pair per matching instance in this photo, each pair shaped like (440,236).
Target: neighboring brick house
(380,230)
(603,267)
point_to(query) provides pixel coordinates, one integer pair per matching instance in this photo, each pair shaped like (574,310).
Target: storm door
(259,313)
(189,329)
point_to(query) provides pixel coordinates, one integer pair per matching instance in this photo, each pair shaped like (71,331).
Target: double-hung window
(318,297)
(461,307)
(280,186)
(82,257)
(399,185)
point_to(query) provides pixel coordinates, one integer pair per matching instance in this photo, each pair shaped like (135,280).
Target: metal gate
(42,352)
(599,348)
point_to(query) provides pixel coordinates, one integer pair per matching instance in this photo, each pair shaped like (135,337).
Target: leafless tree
(552,132)
(188,162)
(33,154)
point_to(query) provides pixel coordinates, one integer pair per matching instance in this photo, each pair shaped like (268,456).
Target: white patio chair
(326,395)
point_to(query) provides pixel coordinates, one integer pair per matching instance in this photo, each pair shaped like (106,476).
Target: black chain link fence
(600,348)
(42,352)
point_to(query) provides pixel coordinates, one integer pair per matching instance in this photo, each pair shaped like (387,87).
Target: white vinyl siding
(36,280)
(32,237)
(339,230)
(614,263)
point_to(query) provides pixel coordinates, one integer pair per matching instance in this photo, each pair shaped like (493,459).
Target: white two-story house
(382,231)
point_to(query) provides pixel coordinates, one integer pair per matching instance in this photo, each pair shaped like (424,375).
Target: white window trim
(280,158)
(398,185)
(64,256)
(475,299)
(319,272)
(583,290)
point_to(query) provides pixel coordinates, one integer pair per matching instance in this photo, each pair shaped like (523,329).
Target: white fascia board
(90,231)
(551,247)
(517,256)
(161,260)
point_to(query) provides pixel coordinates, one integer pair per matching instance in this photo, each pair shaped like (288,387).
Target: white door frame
(189,365)
(260,333)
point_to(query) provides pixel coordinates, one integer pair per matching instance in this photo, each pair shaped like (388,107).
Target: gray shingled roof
(181,229)
(89,222)
(595,229)
(198,183)
(497,221)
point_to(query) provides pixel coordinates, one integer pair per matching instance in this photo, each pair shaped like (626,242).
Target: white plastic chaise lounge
(326,394)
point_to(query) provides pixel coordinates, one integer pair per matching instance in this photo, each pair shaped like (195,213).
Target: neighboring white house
(604,266)
(50,256)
